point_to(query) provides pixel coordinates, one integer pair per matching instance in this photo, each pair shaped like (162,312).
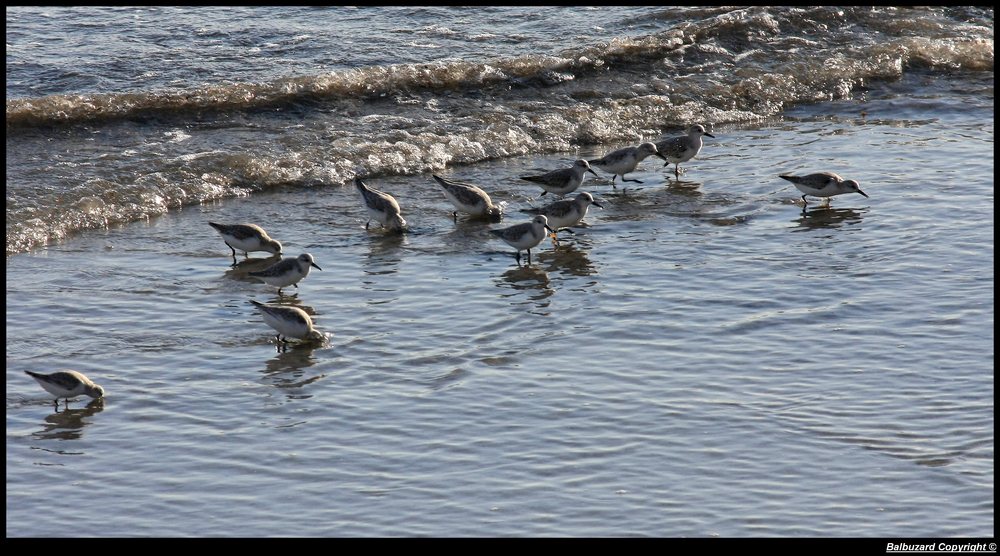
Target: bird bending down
(288,321)
(382,207)
(247,238)
(67,384)
(469,199)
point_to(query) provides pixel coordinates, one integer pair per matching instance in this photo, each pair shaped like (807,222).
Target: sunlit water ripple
(701,359)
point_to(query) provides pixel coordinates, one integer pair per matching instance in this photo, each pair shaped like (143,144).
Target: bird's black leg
(517,256)
(677,171)
(367,223)
(455,215)
(529,256)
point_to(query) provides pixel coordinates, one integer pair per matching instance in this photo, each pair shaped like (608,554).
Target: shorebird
(524,236)
(381,207)
(286,272)
(67,384)
(682,149)
(566,212)
(562,181)
(247,238)
(469,199)
(289,321)
(623,161)
(822,184)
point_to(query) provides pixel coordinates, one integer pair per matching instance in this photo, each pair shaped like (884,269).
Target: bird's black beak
(863,193)
(316,265)
(707,134)
(596,204)
(593,172)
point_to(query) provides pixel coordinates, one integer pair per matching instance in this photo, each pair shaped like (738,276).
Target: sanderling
(682,149)
(562,181)
(67,384)
(566,212)
(624,160)
(822,184)
(469,199)
(286,272)
(525,236)
(289,321)
(381,207)
(247,238)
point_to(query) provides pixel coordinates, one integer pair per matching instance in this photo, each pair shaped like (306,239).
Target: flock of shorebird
(292,322)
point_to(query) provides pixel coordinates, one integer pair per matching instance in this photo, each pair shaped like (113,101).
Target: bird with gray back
(566,212)
(247,238)
(625,160)
(290,322)
(382,208)
(561,182)
(67,384)
(822,184)
(683,148)
(524,236)
(469,199)
(286,272)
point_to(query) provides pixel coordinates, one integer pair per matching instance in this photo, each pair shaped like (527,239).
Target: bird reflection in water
(385,253)
(567,258)
(288,368)
(688,188)
(527,278)
(68,424)
(827,217)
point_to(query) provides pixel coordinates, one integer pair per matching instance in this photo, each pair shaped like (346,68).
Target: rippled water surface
(702,358)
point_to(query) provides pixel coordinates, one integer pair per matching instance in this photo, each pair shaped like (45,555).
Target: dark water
(703,358)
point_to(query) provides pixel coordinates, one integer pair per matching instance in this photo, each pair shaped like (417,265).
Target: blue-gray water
(702,359)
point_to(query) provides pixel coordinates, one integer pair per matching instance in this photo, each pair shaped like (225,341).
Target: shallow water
(702,359)
(116,115)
